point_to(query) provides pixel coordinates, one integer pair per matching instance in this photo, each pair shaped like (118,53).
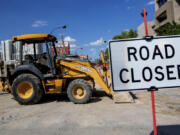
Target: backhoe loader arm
(105,71)
(84,69)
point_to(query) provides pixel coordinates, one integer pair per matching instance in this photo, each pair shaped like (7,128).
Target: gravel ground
(55,115)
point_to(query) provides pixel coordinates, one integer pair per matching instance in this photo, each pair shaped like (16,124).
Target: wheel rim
(24,90)
(79,92)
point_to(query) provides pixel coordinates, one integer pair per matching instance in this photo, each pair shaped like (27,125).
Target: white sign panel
(138,64)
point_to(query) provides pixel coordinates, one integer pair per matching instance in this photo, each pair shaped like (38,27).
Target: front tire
(27,89)
(79,91)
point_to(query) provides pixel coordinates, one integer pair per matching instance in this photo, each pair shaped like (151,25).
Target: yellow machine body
(34,38)
(77,69)
(54,86)
(73,69)
(67,69)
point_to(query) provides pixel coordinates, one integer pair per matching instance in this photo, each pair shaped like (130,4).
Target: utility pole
(62,38)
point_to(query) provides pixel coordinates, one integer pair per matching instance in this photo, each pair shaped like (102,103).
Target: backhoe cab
(44,62)
(32,76)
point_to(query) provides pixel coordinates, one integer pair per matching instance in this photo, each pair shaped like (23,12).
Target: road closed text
(148,73)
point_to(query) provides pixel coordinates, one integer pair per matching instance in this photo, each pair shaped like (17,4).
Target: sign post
(152,90)
(149,63)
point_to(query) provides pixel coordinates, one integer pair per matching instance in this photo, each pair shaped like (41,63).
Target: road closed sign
(138,64)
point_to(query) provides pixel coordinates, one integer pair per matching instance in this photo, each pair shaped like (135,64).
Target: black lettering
(168,54)
(146,52)
(121,76)
(132,75)
(178,68)
(169,72)
(132,52)
(157,70)
(144,75)
(157,52)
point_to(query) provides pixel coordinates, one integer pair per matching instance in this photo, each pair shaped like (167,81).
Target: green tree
(125,34)
(106,55)
(98,61)
(168,29)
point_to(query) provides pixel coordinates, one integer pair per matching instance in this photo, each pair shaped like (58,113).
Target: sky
(89,22)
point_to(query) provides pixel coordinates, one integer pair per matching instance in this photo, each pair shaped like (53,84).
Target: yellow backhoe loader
(33,76)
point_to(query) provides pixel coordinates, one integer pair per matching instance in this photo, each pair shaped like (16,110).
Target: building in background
(62,49)
(11,51)
(83,57)
(166,11)
(29,49)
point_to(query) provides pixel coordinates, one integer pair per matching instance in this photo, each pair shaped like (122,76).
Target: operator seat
(29,58)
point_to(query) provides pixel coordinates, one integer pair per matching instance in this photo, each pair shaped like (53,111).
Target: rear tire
(27,89)
(79,91)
